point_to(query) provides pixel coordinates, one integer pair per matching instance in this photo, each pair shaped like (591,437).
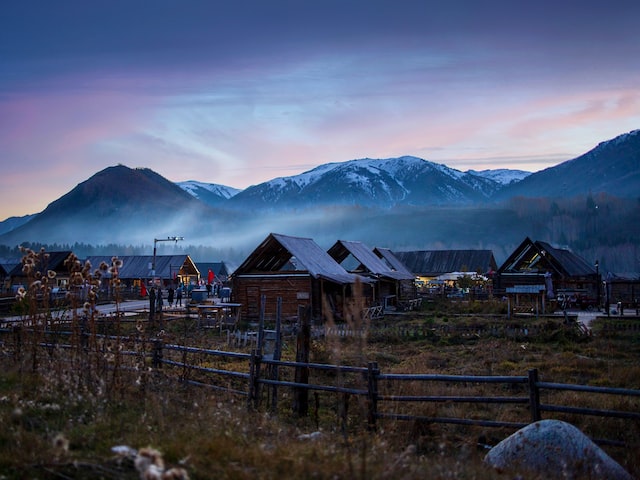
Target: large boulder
(552,449)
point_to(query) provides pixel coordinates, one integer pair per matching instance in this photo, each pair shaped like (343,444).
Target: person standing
(152,306)
(170,296)
(159,304)
(159,301)
(179,295)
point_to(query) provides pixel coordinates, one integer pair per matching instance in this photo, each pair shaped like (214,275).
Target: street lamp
(597,265)
(155,242)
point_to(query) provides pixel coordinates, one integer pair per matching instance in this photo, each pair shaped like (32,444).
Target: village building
(540,269)
(5,277)
(392,286)
(54,261)
(220,270)
(437,271)
(621,292)
(138,269)
(304,276)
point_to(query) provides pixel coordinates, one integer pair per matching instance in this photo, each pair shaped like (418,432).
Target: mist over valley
(589,204)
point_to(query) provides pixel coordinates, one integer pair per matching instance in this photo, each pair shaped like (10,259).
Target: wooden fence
(387,396)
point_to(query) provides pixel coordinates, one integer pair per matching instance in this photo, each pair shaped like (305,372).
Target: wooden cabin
(137,269)
(5,276)
(221,270)
(429,267)
(408,290)
(556,270)
(392,287)
(54,261)
(303,275)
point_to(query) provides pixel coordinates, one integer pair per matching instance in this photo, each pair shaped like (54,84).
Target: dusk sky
(242,91)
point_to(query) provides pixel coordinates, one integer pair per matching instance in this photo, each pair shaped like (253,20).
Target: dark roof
(370,263)
(278,252)
(539,257)
(5,268)
(219,269)
(55,261)
(437,262)
(392,260)
(139,266)
(574,265)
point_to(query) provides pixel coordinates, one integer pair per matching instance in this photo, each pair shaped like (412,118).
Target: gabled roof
(139,266)
(573,264)
(370,263)
(395,263)
(276,251)
(437,262)
(540,257)
(220,269)
(5,268)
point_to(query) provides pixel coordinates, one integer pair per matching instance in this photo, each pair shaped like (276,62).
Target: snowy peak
(502,176)
(210,193)
(620,139)
(371,182)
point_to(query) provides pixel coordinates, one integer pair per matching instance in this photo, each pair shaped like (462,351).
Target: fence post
(534,395)
(157,354)
(303,345)
(17,342)
(254,379)
(372,394)
(276,356)
(260,340)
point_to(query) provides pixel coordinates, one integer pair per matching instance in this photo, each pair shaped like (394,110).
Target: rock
(552,449)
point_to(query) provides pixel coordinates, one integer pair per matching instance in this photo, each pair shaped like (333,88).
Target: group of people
(213,290)
(156,299)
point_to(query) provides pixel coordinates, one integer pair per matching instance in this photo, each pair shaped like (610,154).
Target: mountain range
(368,182)
(120,205)
(381,183)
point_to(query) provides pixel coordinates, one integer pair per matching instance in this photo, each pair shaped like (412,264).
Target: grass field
(63,411)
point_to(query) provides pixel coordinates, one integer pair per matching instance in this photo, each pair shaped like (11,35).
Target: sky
(239,92)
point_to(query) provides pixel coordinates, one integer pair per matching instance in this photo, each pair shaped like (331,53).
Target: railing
(389,396)
(371,313)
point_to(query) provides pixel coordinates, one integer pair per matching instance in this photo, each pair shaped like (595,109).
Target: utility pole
(597,265)
(155,243)
(153,298)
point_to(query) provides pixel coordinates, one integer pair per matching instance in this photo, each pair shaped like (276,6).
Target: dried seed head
(60,442)
(147,457)
(175,474)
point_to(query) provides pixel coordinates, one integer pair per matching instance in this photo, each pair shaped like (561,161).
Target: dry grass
(63,410)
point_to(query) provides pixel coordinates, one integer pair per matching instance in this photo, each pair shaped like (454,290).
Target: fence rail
(249,374)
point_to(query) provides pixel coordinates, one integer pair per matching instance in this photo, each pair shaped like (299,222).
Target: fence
(499,329)
(387,396)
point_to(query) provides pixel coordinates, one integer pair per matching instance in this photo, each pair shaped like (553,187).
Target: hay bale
(552,449)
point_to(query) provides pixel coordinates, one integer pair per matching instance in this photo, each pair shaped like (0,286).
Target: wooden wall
(295,290)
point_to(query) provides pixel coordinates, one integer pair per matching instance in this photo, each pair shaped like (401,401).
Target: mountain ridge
(124,205)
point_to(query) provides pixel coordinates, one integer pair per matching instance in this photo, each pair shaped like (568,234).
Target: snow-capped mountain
(371,182)
(503,176)
(210,193)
